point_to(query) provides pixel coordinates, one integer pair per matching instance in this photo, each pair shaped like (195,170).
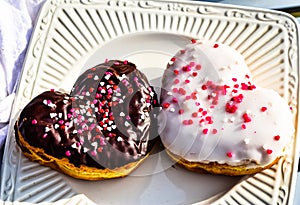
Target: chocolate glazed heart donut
(104,129)
(215,119)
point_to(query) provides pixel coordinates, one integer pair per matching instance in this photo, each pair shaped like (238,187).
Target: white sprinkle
(94,144)
(246,140)
(56,126)
(101,83)
(126,124)
(107,77)
(232,119)
(45,102)
(87,94)
(119,139)
(108,128)
(225,119)
(172,109)
(213,94)
(114,126)
(75,132)
(52,115)
(96,77)
(65,101)
(74,145)
(121,101)
(169,93)
(110,122)
(122,114)
(265,146)
(103,91)
(122,77)
(47,129)
(60,115)
(85,149)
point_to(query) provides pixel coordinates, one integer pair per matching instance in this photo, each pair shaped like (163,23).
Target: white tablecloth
(17,18)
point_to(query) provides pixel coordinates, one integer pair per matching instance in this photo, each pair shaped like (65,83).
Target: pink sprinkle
(269,151)
(181,111)
(229,154)
(263,109)
(194,74)
(175,90)
(214,131)
(230,108)
(277,137)
(93,153)
(246,117)
(52,90)
(205,131)
(188,97)
(106,60)
(198,67)
(197,103)
(182,91)
(45,135)
(192,64)
(234,79)
(173,59)
(68,153)
(186,68)
(166,105)
(34,122)
(187,81)
(175,100)
(216,45)
(48,102)
(193,41)
(176,81)
(125,62)
(194,114)
(243,126)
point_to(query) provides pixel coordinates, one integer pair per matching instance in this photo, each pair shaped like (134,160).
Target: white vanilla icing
(212,111)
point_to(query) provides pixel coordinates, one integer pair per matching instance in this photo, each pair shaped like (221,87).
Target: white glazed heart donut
(214,119)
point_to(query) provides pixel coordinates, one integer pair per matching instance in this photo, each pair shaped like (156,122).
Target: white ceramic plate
(71,36)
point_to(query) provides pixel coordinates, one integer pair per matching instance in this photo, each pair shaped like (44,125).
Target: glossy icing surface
(106,122)
(212,110)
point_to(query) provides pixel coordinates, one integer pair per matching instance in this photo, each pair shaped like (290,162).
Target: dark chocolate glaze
(110,118)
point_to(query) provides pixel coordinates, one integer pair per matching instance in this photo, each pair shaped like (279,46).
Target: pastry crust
(64,166)
(221,169)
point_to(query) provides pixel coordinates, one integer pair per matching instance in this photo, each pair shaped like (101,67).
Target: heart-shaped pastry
(104,129)
(215,119)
